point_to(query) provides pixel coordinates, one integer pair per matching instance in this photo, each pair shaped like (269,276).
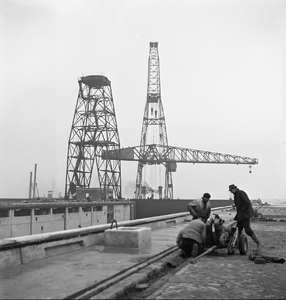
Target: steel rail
(104,284)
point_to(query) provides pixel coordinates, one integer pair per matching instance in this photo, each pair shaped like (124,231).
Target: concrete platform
(60,276)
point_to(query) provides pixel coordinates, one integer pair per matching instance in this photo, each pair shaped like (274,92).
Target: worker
(200,207)
(192,238)
(244,212)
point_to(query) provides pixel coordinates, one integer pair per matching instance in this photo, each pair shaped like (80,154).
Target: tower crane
(154,129)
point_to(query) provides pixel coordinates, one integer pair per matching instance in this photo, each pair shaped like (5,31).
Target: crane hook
(250,169)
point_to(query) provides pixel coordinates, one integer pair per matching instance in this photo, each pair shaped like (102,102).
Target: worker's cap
(232,186)
(206,195)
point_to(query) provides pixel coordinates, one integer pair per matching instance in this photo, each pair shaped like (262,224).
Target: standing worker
(192,238)
(244,212)
(200,207)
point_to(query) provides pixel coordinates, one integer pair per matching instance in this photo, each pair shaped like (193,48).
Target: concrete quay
(62,275)
(232,276)
(211,277)
(224,277)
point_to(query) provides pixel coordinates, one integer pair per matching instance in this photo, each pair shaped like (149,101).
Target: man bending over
(191,239)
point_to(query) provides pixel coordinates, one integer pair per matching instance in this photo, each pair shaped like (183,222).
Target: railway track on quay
(116,285)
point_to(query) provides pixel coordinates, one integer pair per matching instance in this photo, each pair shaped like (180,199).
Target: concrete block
(128,237)
(10,258)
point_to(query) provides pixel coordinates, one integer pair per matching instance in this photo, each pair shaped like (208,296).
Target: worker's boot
(183,254)
(195,250)
(256,240)
(237,239)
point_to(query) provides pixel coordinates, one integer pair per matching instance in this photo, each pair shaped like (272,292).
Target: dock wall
(29,219)
(21,219)
(25,249)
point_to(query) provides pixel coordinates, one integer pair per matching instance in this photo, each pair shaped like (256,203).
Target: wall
(146,208)
(56,217)
(28,219)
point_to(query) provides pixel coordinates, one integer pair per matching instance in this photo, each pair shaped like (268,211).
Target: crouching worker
(191,239)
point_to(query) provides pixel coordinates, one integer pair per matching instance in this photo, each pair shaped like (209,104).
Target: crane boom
(156,154)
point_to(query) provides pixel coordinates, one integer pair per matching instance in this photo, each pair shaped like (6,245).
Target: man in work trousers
(244,212)
(191,239)
(200,207)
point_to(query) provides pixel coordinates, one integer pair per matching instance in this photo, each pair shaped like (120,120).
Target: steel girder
(93,130)
(157,154)
(153,116)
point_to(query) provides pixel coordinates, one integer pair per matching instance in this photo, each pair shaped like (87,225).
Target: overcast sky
(223,78)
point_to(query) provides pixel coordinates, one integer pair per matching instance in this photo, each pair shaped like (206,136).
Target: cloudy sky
(223,78)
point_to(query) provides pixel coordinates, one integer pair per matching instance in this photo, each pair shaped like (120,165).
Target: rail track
(100,286)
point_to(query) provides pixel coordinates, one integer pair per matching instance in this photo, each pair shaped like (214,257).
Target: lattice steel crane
(154,121)
(94,137)
(94,129)
(151,152)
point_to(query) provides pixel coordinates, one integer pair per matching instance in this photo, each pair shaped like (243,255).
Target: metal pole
(35,175)
(30,185)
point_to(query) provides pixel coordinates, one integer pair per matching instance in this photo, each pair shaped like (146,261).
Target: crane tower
(154,124)
(93,130)
(154,149)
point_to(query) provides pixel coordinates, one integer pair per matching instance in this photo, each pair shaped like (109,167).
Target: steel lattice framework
(94,129)
(150,154)
(153,117)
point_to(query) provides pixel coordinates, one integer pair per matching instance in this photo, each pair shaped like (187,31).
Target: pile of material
(258,258)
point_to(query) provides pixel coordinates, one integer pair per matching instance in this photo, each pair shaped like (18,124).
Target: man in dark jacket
(244,212)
